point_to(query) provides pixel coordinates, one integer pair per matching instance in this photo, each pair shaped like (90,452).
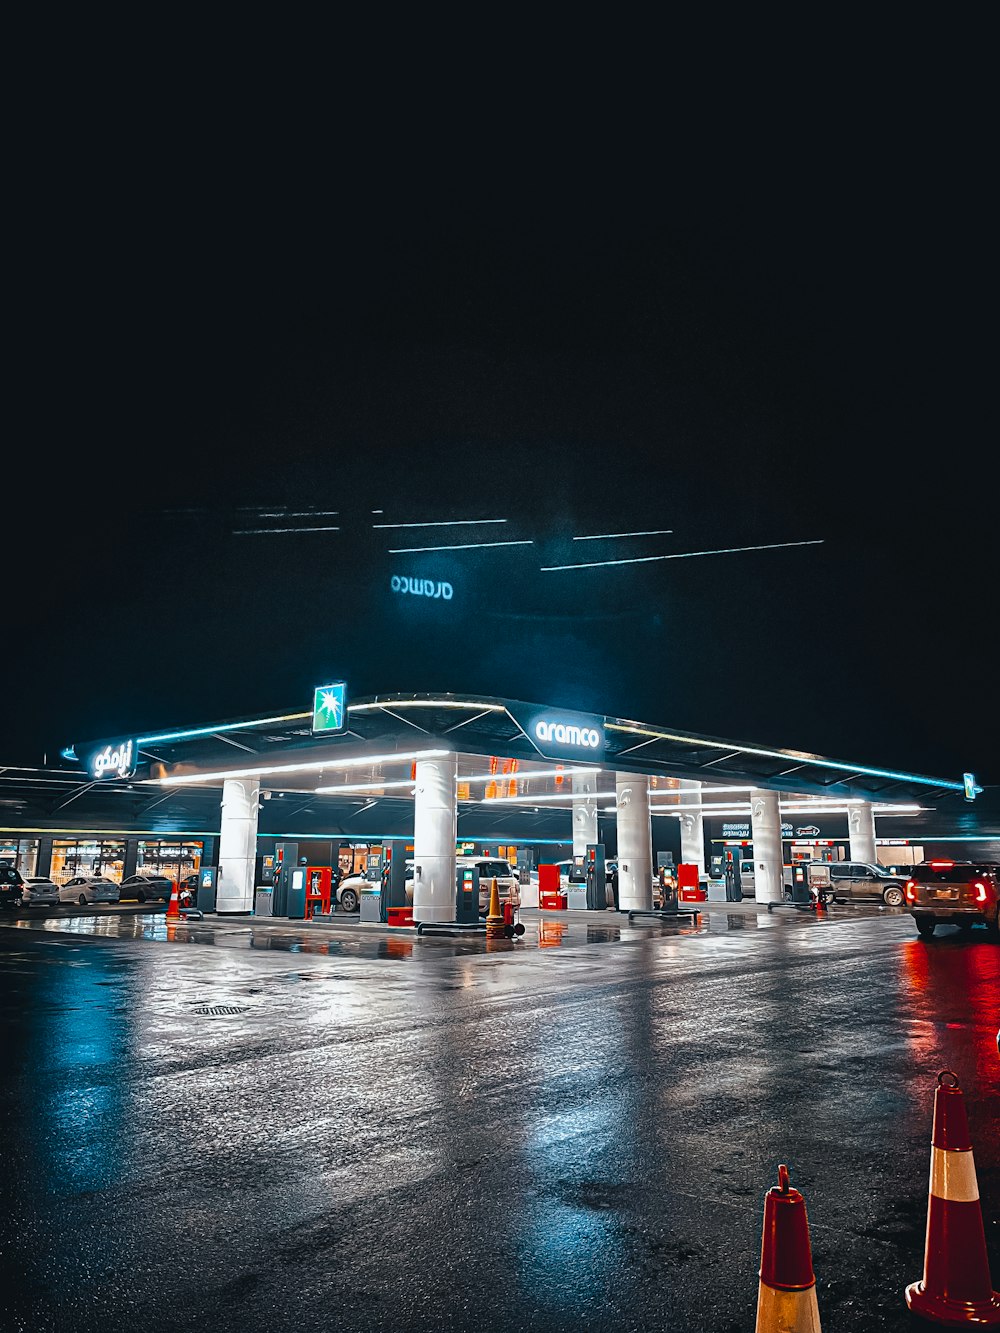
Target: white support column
(435,830)
(765,830)
(861,831)
(237,845)
(584,811)
(692,825)
(635,844)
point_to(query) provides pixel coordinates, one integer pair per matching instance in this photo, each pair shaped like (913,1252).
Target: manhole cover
(214,1010)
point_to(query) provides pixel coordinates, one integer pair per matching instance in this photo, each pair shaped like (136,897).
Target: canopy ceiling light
(317,766)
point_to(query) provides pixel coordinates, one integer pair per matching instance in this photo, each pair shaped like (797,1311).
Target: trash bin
(371,904)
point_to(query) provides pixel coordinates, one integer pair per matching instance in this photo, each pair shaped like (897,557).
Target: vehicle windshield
(494,869)
(960,872)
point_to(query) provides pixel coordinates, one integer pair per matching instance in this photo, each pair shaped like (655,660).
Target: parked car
(11,886)
(146,888)
(84,889)
(965,893)
(40,891)
(349,890)
(508,884)
(856,881)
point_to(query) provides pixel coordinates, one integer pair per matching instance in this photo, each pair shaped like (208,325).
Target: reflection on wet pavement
(543,930)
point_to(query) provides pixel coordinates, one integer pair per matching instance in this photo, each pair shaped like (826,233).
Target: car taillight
(980,890)
(910,889)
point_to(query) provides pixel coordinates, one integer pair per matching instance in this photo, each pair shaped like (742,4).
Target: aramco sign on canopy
(330,707)
(559,735)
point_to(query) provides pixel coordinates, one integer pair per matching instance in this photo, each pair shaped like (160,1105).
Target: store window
(173,859)
(71,858)
(20,852)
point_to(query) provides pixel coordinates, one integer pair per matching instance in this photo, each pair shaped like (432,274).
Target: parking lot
(209,1123)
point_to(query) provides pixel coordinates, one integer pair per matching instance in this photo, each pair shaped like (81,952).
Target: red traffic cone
(786,1297)
(174,906)
(956,1288)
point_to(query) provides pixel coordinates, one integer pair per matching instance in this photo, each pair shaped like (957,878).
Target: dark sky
(776,346)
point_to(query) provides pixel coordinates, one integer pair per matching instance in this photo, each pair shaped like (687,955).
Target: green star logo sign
(330,707)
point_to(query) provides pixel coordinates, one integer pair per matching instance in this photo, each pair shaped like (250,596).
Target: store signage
(115,759)
(422,587)
(743,830)
(329,712)
(810,831)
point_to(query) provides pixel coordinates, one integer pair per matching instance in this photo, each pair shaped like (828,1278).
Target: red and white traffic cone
(956,1288)
(174,906)
(786,1297)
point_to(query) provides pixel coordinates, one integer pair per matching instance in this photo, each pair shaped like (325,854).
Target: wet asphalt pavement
(244,1125)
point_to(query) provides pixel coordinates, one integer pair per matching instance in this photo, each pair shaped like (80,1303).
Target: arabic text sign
(113,759)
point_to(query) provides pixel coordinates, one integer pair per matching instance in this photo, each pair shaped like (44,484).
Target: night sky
(779,350)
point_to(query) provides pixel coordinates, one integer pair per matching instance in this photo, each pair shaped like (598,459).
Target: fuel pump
(393,877)
(734,892)
(596,878)
(295,891)
(286,859)
(467,895)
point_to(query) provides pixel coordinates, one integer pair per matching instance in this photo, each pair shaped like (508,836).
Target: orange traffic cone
(174,906)
(786,1297)
(956,1288)
(494,916)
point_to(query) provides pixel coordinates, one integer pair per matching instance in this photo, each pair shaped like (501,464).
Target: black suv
(11,886)
(961,892)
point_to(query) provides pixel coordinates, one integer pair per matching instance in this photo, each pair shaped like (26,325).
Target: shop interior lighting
(316,766)
(613,536)
(441,523)
(679,555)
(464,546)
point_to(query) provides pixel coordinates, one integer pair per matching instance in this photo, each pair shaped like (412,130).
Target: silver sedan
(84,889)
(40,891)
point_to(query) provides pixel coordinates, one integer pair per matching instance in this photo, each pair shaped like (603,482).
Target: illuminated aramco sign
(330,707)
(115,760)
(558,734)
(422,587)
(587,738)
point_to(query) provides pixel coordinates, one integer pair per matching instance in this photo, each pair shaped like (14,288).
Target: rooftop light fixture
(397,704)
(680,555)
(613,536)
(316,766)
(348,788)
(260,532)
(465,546)
(702,742)
(214,731)
(441,523)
